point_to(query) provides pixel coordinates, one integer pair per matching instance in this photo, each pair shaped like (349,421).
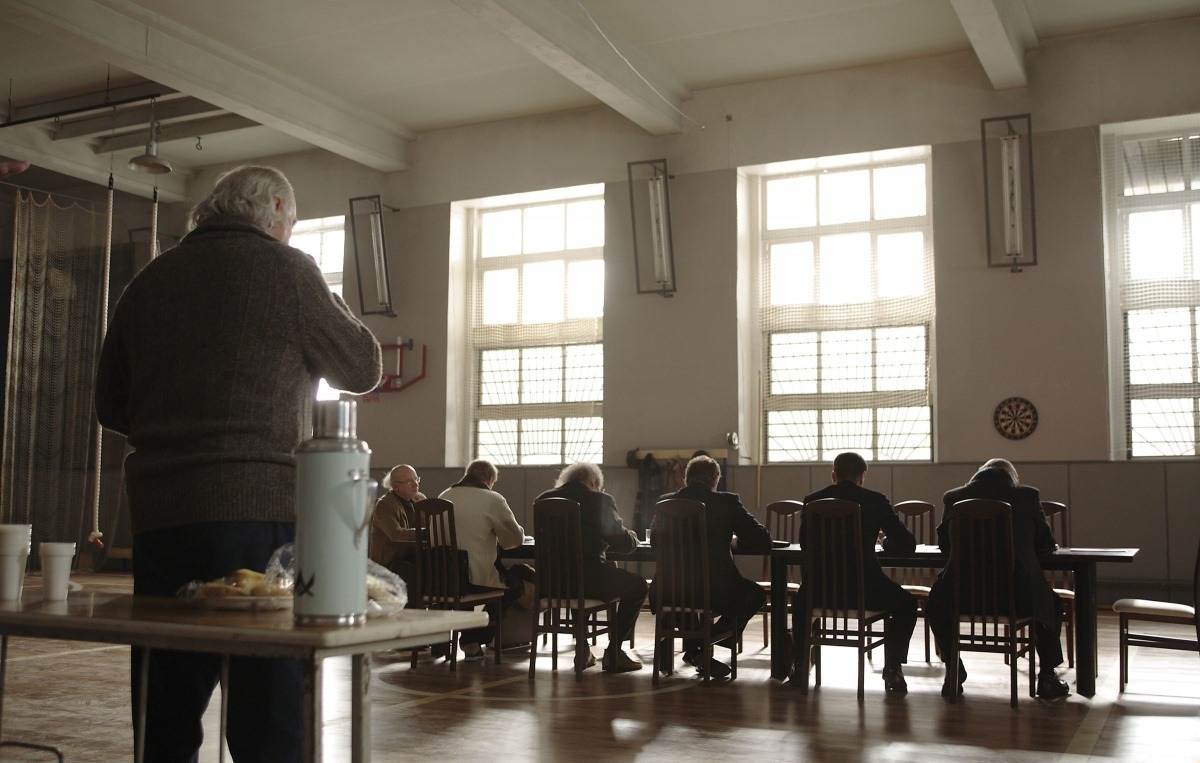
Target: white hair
(588,474)
(1004,464)
(248,191)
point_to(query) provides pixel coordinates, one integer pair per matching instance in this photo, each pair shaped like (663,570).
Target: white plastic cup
(12,572)
(56,569)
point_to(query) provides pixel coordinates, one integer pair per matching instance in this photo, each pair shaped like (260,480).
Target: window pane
(585,439)
(845,268)
(792,274)
(499,377)
(542,292)
(1195,210)
(585,224)
(793,368)
(846,361)
(585,372)
(541,375)
(497,440)
(1156,244)
(1162,427)
(1160,346)
(900,358)
(500,296)
(541,441)
(544,229)
(900,270)
(792,435)
(904,434)
(899,192)
(846,429)
(845,197)
(791,202)
(500,233)
(585,289)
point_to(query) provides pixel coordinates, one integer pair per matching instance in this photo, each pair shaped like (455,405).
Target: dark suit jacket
(600,526)
(1031,537)
(876,513)
(725,517)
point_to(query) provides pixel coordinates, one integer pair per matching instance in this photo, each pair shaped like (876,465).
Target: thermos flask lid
(335,419)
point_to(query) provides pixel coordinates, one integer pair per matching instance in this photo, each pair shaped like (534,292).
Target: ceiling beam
(76,159)
(136,116)
(1000,31)
(152,46)
(565,37)
(193,128)
(77,104)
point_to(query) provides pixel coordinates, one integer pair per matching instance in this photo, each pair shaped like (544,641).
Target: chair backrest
(681,542)
(559,555)
(1060,526)
(981,563)
(783,522)
(833,559)
(918,517)
(440,564)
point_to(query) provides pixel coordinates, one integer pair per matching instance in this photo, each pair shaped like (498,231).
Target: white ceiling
(363,78)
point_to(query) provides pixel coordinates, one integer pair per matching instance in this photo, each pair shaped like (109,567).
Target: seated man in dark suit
(730,526)
(997,480)
(601,528)
(881,593)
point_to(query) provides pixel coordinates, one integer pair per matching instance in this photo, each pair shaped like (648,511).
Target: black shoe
(1051,686)
(717,669)
(893,681)
(948,689)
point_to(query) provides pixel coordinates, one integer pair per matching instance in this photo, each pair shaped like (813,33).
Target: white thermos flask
(333,510)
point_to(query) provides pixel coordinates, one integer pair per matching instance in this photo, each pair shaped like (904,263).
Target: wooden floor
(75,696)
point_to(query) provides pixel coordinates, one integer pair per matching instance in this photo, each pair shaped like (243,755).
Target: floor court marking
(1083,744)
(59,654)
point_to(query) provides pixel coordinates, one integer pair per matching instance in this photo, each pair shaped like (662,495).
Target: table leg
(139,740)
(312,710)
(360,709)
(779,594)
(1085,628)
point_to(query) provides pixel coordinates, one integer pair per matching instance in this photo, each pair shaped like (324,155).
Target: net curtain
(53,344)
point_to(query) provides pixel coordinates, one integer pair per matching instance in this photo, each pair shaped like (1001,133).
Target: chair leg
(766,628)
(499,630)
(453,651)
(1069,617)
(533,644)
(1123,637)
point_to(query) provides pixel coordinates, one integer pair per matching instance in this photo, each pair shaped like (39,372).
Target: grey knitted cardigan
(210,368)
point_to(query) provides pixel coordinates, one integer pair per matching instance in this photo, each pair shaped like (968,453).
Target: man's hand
(12,167)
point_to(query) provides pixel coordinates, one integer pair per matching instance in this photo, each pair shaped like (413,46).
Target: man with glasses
(393,525)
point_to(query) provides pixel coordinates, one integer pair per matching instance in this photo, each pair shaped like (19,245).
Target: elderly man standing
(729,526)
(483,521)
(210,369)
(997,480)
(601,528)
(393,525)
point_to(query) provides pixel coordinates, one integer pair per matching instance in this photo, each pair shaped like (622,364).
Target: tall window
(1152,192)
(846,306)
(325,239)
(536,331)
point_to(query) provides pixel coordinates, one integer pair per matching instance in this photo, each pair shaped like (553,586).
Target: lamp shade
(150,162)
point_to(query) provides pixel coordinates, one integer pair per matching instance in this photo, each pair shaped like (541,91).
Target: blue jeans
(265,694)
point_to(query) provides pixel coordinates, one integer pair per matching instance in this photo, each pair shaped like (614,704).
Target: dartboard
(1015,418)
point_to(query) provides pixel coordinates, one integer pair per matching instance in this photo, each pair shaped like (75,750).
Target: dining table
(263,630)
(1081,562)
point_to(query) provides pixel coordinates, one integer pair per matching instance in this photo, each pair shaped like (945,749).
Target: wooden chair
(681,577)
(1060,580)
(783,522)
(559,605)
(1146,610)
(918,517)
(442,571)
(833,586)
(984,606)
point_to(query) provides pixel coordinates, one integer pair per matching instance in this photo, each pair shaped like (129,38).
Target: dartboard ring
(1015,418)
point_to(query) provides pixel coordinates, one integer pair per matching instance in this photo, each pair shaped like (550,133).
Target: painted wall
(671,365)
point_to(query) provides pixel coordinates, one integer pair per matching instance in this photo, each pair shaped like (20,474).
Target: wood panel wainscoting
(75,696)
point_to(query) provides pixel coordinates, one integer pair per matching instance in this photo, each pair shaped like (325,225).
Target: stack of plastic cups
(15,542)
